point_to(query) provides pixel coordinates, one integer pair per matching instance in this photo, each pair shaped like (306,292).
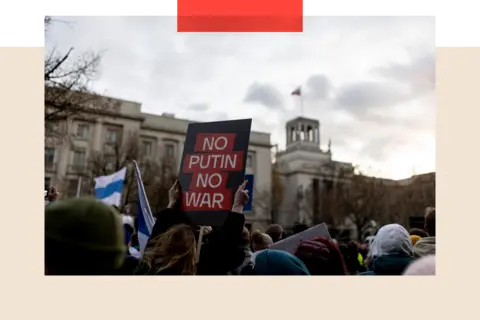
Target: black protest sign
(212,169)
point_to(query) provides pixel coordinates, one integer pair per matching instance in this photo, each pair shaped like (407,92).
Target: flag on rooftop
(297,92)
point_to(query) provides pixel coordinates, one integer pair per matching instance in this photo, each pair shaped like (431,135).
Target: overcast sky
(368,80)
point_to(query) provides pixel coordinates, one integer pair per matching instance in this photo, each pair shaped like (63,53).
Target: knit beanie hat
(415,238)
(279,263)
(83,236)
(321,256)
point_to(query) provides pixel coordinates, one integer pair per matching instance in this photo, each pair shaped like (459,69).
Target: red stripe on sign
(239,24)
(390,3)
(240,7)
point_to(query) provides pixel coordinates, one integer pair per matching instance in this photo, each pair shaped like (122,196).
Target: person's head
(279,263)
(52,194)
(260,241)
(424,266)
(430,221)
(275,231)
(392,239)
(299,227)
(173,252)
(321,256)
(414,239)
(83,236)
(418,232)
(246,240)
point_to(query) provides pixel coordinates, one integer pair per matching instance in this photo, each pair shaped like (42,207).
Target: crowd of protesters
(84,236)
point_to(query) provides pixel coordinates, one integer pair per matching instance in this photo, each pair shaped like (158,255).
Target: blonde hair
(172,252)
(260,241)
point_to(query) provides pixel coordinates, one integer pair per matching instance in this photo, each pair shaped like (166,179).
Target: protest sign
(248,207)
(212,169)
(290,244)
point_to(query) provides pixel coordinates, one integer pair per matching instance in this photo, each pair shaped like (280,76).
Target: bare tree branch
(68,80)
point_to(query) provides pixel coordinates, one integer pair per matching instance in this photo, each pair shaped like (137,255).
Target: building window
(170,151)
(49,157)
(47,182)
(51,128)
(147,148)
(72,188)
(79,157)
(83,131)
(250,160)
(112,136)
(110,162)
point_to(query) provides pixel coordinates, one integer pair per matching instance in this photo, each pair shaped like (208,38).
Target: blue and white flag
(248,207)
(145,217)
(109,188)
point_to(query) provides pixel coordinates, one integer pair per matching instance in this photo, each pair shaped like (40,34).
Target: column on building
(97,136)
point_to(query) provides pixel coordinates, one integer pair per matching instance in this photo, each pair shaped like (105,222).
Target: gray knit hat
(83,235)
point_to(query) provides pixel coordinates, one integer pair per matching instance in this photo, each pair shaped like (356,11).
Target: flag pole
(301,105)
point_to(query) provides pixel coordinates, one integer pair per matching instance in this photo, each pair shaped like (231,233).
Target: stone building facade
(159,135)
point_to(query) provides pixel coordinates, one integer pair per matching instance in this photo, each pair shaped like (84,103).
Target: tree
(362,200)
(67,87)
(157,176)
(277,192)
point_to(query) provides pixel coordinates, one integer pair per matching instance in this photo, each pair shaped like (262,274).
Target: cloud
(364,78)
(361,98)
(198,107)
(264,94)
(318,87)
(419,74)
(380,148)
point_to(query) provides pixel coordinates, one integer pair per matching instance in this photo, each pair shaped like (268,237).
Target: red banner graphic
(240,16)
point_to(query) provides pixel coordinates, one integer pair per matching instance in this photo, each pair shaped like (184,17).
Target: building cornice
(183,133)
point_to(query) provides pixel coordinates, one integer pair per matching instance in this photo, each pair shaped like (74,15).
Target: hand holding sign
(212,168)
(173,194)
(241,198)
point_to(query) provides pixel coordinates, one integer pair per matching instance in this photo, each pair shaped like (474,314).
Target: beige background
(27,294)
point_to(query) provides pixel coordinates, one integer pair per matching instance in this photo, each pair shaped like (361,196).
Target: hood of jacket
(389,265)
(424,247)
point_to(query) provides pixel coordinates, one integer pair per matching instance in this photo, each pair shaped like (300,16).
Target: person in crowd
(260,241)
(132,255)
(83,236)
(277,263)
(275,231)
(424,266)
(426,246)
(414,238)
(247,251)
(299,227)
(171,253)
(221,254)
(363,251)
(418,232)
(350,252)
(322,257)
(135,245)
(391,252)
(52,195)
